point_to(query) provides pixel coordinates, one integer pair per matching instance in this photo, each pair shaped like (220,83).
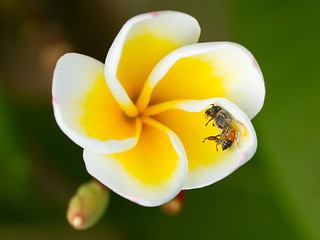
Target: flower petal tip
(156,13)
(256,65)
(55,102)
(243,158)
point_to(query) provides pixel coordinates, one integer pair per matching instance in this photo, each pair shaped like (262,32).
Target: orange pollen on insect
(206,116)
(232,134)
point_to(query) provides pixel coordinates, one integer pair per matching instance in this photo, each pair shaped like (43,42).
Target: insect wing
(239,129)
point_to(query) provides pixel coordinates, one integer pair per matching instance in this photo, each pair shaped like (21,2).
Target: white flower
(140,118)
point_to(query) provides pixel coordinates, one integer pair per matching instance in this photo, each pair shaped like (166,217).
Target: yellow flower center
(97,108)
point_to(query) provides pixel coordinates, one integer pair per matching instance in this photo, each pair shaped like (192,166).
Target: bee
(226,124)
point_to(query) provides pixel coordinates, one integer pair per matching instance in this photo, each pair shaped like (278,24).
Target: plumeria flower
(139,116)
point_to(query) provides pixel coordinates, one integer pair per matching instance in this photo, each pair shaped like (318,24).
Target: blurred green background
(274,196)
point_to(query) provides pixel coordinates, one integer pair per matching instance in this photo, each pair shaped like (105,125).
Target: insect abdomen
(226,144)
(228,140)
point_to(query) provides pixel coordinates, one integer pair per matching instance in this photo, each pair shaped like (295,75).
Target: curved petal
(142,42)
(85,109)
(207,70)
(206,164)
(150,174)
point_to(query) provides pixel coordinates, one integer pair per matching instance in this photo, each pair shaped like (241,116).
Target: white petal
(142,42)
(84,107)
(206,164)
(150,174)
(207,70)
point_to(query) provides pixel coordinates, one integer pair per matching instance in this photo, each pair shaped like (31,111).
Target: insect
(227,125)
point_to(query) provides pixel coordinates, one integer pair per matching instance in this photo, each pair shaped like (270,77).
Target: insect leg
(212,138)
(220,141)
(209,121)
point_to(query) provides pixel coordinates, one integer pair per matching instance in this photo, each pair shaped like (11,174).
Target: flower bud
(175,205)
(88,205)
